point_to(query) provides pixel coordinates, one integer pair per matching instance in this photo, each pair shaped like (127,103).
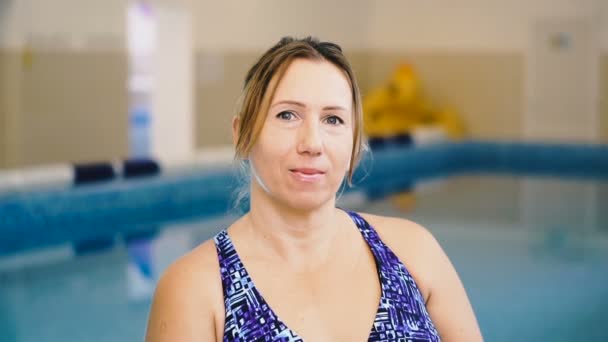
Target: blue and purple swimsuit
(401,315)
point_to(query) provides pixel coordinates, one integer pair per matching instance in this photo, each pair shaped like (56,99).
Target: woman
(295,267)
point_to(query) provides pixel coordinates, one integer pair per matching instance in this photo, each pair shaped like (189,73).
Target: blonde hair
(264,76)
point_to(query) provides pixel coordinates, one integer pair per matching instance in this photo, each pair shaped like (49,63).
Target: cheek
(270,148)
(341,152)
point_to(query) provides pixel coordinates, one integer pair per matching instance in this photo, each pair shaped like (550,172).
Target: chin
(309,201)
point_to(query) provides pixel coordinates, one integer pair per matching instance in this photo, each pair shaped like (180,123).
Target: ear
(235,130)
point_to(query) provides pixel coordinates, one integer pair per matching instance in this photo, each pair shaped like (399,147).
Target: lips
(307,175)
(307,171)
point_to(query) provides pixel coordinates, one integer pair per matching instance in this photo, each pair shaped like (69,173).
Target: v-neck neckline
(294,333)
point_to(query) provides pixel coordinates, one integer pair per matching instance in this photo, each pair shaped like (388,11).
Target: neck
(302,238)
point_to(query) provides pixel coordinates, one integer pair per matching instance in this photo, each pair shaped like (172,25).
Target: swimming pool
(529,277)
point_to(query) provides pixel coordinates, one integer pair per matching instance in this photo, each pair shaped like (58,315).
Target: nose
(310,140)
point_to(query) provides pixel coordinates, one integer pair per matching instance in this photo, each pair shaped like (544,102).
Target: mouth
(307,171)
(308,175)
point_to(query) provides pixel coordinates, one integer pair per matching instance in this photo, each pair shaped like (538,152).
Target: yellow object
(398,107)
(404,201)
(451,123)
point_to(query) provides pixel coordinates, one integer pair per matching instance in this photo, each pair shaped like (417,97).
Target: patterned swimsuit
(401,315)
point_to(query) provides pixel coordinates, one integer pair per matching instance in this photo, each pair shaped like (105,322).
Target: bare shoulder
(198,272)
(188,298)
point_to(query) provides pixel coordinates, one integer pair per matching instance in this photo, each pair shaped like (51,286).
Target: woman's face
(304,148)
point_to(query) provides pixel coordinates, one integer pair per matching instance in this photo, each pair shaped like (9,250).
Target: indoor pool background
(540,279)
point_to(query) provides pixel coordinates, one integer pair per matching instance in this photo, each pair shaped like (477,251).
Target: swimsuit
(401,315)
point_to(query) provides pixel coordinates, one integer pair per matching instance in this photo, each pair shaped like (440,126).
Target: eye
(334,120)
(286,115)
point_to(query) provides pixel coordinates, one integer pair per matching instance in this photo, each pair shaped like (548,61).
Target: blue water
(545,281)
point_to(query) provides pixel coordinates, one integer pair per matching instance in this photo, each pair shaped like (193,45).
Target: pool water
(526,283)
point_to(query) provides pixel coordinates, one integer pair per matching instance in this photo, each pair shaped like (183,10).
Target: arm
(182,307)
(448,303)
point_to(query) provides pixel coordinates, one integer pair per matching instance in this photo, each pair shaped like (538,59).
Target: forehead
(314,83)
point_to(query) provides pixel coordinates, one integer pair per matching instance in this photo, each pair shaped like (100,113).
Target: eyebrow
(300,104)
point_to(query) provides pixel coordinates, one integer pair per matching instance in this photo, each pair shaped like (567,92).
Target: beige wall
(54,23)
(219,79)
(75,106)
(64,107)
(255,25)
(3,128)
(604,98)
(477,25)
(494,25)
(10,106)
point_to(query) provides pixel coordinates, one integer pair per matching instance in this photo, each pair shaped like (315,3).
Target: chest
(337,304)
